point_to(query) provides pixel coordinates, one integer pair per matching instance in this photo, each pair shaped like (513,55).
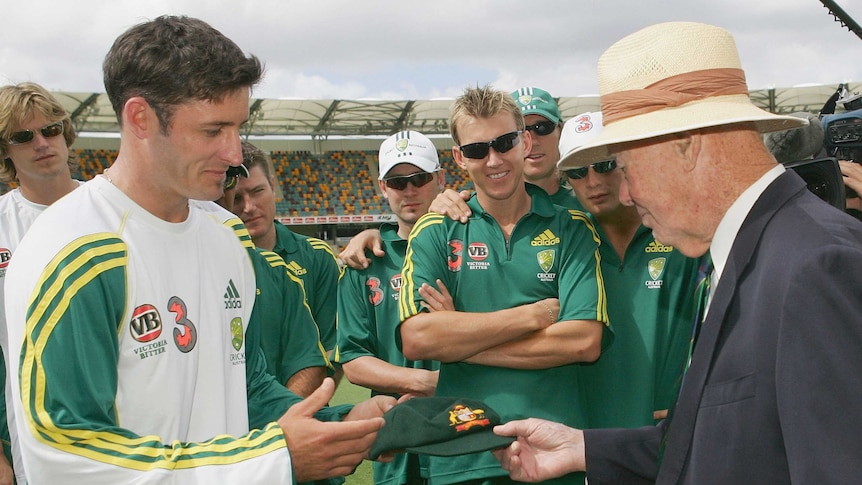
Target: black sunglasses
(600,167)
(26,136)
(542,128)
(501,144)
(419,179)
(231,176)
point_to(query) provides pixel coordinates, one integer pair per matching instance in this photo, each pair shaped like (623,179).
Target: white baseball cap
(577,132)
(408,147)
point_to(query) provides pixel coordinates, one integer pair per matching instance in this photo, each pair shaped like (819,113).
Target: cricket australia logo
(236,333)
(231,297)
(655,267)
(236,339)
(545,259)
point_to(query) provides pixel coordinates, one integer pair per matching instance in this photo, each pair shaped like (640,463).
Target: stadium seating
(334,183)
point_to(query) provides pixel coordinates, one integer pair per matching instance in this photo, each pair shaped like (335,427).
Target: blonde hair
(19,102)
(483,102)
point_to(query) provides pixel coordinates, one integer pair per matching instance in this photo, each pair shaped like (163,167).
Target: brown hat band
(672,92)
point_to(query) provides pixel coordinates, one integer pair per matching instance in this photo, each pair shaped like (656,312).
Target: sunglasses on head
(231,177)
(26,136)
(542,128)
(419,179)
(600,167)
(501,144)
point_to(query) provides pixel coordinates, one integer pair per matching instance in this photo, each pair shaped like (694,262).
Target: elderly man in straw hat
(772,392)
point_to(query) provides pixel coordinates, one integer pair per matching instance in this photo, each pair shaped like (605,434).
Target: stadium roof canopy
(323,118)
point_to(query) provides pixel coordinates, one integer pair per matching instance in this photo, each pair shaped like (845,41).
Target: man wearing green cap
(543,120)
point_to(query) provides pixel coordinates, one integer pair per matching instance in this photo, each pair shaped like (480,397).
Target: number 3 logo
(185,334)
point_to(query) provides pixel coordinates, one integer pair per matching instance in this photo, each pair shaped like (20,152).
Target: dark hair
(253,156)
(173,60)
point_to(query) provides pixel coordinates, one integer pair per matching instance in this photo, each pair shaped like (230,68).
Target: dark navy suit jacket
(774,391)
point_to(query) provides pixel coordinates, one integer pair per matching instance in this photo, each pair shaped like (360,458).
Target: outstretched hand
(321,450)
(543,450)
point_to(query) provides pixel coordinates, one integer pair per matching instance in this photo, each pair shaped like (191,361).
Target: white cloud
(403,50)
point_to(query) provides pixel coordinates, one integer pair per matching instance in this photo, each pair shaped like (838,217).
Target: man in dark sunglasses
(522,299)
(649,286)
(410,177)
(34,155)
(544,123)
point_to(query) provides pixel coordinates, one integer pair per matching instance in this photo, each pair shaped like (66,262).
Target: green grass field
(347,393)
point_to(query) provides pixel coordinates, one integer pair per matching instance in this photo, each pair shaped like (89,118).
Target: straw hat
(669,78)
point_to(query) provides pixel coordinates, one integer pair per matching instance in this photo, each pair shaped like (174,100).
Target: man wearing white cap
(772,392)
(649,286)
(410,178)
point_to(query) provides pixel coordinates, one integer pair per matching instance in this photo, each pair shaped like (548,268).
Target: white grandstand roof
(322,118)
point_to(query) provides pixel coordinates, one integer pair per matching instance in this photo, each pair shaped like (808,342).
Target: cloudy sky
(411,49)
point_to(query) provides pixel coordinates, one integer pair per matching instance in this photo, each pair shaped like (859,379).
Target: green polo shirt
(552,252)
(313,261)
(367,320)
(564,197)
(289,335)
(651,302)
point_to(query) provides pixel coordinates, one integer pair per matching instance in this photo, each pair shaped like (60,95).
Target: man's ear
(139,117)
(382,186)
(458,157)
(688,146)
(528,142)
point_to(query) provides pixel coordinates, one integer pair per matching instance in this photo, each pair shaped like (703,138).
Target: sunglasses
(231,176)
(501,144)
(600,167)
(542,128)
(26,136)
(419,179)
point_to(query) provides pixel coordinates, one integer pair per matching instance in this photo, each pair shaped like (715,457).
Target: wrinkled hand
(328,449)
(353,254)
(436,299)
(543,450)
(452,204)
(852,173)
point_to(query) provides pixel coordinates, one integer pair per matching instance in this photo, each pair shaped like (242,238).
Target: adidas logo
(657,247)
(546,238)
(231,296)
(296,269)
